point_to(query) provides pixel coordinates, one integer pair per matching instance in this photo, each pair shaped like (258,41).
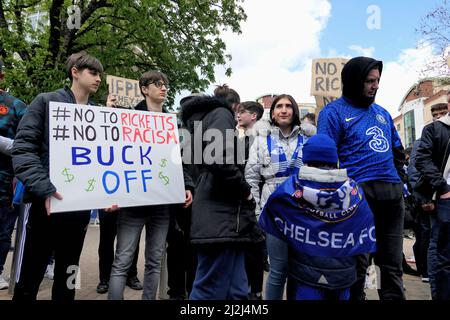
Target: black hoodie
(220,213)
(354,75)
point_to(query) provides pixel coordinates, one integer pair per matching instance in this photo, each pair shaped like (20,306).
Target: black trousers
(422,231)
(108,232)
(386,202)
(254,265)
(62,233)
(181,256)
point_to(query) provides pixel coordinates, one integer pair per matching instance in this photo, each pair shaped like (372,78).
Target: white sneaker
(3,283)
(426,280)
(49,273)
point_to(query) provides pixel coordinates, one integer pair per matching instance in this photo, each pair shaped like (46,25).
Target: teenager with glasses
(155,218)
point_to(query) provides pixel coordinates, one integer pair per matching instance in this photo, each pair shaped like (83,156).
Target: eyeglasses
(159,84)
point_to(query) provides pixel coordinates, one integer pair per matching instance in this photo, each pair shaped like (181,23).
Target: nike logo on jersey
(349,119)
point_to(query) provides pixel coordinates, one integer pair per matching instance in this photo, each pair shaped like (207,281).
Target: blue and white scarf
(283,167)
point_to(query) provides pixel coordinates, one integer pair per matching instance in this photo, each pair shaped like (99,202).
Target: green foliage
(180,38)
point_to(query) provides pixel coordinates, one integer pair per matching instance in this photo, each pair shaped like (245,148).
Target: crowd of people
(314,204)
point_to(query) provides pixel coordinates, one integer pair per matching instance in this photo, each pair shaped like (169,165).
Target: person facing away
(272,159)
(326,221)
(63,232)
(229,95)
(11,112)
(370,148)
(223,219)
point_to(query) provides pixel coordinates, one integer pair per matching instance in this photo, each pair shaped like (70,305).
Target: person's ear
(75,72)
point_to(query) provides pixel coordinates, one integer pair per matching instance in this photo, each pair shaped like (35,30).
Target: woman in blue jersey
(274,157)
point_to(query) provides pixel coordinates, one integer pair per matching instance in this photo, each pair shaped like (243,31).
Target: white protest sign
(126,91)
(103,156)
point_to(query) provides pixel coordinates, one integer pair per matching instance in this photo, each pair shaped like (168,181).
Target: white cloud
(398,76)
(366,52)
(274,52)
(278,42)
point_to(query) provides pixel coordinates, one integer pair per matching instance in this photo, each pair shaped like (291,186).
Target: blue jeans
(220,274)
(8,217)
(278,258)
(439,251)
(131,221)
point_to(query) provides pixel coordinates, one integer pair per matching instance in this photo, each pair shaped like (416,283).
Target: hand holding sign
(188,200)
(57,195)
(111,100)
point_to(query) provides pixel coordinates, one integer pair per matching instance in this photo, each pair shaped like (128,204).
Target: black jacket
(431,158)
(30,149)
(220,213)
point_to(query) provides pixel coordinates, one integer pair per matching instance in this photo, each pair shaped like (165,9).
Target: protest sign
(126,91)
(103,156)
(326,80)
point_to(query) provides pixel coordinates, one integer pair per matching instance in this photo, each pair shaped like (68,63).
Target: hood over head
(353,76)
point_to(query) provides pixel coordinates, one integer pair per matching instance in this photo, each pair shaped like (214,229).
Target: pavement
(415,288)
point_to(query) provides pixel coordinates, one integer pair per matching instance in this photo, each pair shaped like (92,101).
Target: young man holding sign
(43,232)
(155,218)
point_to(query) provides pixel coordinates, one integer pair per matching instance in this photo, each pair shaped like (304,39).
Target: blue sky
(399,20)
(280,39)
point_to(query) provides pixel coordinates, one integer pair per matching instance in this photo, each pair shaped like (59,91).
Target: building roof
(436,81)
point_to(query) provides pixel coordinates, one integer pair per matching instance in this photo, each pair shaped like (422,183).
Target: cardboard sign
(321,102)
(326,80)
(127,91)
(326,77)
(101,157)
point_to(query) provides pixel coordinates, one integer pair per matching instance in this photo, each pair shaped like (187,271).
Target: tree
(435,31)
(180,38)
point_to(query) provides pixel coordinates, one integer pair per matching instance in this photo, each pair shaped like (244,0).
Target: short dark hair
(252,107)
(225,92)
(311,117)
(82,60)
(151,76)
(439,106)
(296,112)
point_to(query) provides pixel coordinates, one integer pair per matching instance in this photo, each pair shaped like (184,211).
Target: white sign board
(126,91)
(101,157)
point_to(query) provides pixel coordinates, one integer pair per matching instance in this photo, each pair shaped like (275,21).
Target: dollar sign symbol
(90,186)
(164,178)
(68,176)
(163,163)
